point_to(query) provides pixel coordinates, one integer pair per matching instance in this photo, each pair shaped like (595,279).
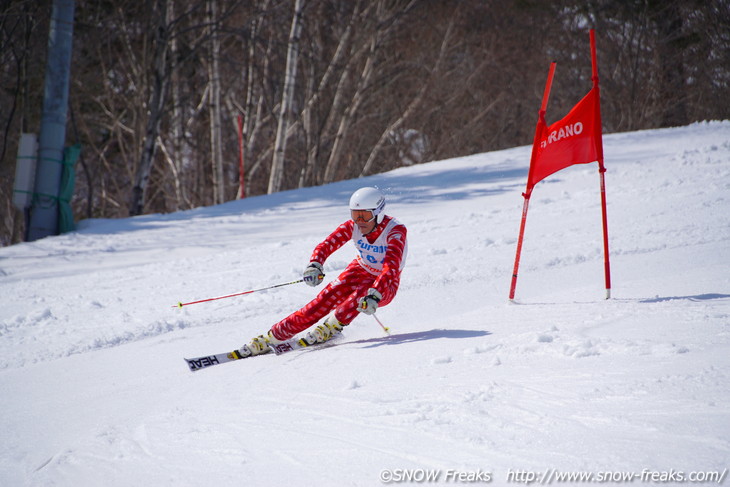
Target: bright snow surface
(95,390)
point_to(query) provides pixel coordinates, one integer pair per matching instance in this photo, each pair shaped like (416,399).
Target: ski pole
(181,304)
(385,328)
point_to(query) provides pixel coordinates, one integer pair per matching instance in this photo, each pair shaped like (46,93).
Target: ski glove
(313,274)
(369,304)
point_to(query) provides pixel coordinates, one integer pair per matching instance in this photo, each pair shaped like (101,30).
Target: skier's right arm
(314,274)
(334,241)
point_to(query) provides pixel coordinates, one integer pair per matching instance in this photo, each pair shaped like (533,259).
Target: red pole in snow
(601,167)
(528,190)
(513,286)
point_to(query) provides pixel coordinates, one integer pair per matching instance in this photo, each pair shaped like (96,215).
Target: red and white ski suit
(382,255)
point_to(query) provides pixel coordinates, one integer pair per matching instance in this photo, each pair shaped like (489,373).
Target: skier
(369,281)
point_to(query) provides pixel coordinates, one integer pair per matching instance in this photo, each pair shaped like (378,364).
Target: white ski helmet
(369,198)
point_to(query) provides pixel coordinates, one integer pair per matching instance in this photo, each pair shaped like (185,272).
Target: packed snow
(469,388)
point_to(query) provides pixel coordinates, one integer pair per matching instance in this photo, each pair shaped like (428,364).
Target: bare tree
(216,148)
(155,105)
(175,155)
(22,37)
(360,87)
(412,106)
(287,98)
(317,95)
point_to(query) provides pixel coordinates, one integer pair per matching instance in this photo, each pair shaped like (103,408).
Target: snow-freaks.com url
(553,476)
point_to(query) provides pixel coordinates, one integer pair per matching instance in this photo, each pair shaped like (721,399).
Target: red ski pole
(181,304)
(385,328)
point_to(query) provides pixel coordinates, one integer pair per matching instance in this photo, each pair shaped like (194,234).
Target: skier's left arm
(393,258)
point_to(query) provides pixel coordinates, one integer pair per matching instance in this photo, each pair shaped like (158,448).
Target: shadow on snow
(697,297)
(419,336)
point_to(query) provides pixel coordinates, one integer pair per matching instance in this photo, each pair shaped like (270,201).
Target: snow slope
(95,391)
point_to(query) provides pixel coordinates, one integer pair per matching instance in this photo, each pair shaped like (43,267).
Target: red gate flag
(576,139)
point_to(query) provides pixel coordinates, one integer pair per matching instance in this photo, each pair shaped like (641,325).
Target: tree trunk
(337,60)
(287,97)
(346,119)
(214,104)
(253,114)
(177,128)
(160,83)
(671,44)
(412,106)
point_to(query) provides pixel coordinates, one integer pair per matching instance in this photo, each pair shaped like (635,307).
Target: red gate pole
(601,166)
(513,286)
(528,191)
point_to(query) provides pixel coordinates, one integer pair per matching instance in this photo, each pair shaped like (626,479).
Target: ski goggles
(365,215)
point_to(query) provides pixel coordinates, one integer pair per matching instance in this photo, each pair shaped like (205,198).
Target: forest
(167,97)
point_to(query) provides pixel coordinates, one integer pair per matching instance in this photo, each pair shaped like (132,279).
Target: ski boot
(326,331)
(259,345)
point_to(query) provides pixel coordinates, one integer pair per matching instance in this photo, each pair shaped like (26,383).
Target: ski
(198,363)
(290,345)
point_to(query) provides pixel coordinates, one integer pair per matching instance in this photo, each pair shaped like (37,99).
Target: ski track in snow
(95,390)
